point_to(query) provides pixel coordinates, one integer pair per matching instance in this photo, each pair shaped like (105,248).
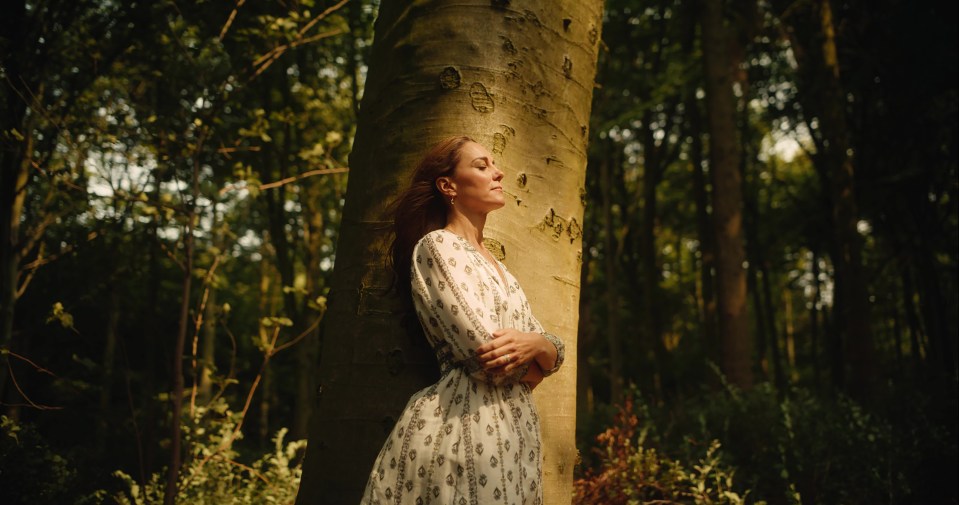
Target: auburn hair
(421,208)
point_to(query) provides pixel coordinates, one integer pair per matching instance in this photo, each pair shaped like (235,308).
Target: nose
(498,174)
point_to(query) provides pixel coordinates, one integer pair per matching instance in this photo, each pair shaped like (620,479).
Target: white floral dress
(473,437)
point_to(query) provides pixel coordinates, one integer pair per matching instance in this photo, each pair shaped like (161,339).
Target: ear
(446,186)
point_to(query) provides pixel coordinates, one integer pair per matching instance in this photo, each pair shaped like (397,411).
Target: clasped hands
(511,349)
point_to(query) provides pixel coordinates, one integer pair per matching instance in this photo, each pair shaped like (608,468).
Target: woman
(473,437)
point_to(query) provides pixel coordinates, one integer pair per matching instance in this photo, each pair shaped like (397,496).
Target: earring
(451,199)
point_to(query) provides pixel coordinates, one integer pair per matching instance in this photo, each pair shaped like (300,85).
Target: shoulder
(432,240)
(437,243)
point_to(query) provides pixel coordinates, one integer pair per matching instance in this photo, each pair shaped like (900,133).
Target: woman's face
(476,182)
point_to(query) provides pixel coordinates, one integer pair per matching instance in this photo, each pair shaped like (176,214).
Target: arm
(448,296)
(533,376)
(512,348)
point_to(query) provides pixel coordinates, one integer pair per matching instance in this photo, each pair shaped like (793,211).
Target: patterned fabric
(560,354)
(473,437)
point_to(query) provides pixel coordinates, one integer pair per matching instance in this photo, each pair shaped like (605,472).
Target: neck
(467,225)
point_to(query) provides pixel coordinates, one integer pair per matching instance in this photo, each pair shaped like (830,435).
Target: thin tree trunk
(912,317)
(932,304)
(775,349)
(724,156)
(14,171)
(15,178)
(208,342)
(151,336)
(107,362)
(266,402)
(176,394)
(897,336)
(208,347)
(440,68)
(648,253)
(815,321)
(790,333)
(707,254)
(609,274)
(761,340)
(851,283)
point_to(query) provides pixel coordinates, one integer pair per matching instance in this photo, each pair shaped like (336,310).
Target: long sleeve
(455,304)
(553,339)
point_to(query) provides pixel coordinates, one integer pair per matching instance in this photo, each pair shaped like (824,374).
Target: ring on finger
(508,359)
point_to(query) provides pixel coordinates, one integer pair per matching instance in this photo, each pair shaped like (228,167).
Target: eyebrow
(484,158)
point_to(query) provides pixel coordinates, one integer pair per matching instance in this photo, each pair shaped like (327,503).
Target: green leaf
(271,321)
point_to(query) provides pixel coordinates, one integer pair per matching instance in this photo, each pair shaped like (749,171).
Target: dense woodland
(768,296)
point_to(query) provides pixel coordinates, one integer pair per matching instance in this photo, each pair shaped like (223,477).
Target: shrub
(30,472)
(212,475)
(630,473)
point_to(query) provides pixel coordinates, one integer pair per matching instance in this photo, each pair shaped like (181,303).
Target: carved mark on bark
(508,46)
(528,16)
(593,34)
(499,143)
(532,18)
(512,69)
(574,230)
(566,23)
(537,89)
(558,225)
(450,78)
(500,139)
(521,180)
(567,67)
(500,4)
(495,247)
(553,160)
(539,112)
(480,98)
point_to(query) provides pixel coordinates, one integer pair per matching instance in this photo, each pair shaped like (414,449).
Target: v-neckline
(499,272)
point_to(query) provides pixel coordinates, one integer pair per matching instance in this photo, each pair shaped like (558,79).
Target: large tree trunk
(736,347)
(518,77)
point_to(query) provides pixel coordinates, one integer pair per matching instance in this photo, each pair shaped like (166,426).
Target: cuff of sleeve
(560,352)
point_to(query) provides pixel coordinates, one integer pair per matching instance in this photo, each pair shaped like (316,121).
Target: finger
(498,361)
(500,332)
(492,354)
(489,346)
(514,363)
